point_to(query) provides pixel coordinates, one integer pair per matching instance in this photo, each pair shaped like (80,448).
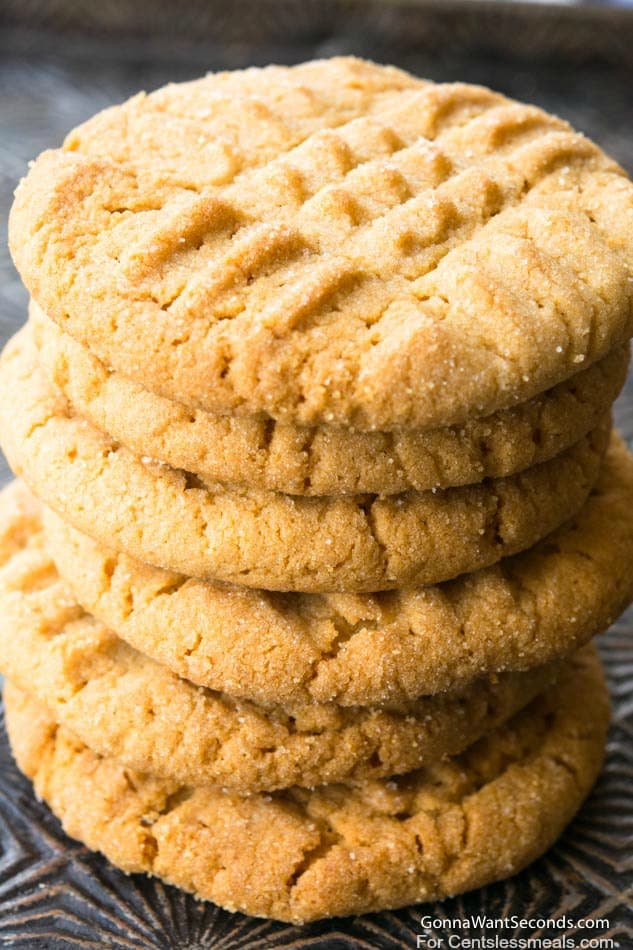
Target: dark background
(60,62)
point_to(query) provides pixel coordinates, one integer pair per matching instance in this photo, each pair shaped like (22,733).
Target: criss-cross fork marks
(356,230)
(377,239)
(371,199)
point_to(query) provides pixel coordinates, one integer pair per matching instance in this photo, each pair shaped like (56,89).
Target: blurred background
(62,60)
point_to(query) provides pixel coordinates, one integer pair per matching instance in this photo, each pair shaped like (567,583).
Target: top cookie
(336,242)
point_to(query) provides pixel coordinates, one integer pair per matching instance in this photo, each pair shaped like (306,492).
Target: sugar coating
(300,855)
(257,452)
(388,648)
(332,243)
(126,705)
(270,540)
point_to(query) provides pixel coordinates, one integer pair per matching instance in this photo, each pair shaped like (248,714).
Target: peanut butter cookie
(256,452)
(386,648)
(266,539)
(298,855)
(335,242)
(132,708)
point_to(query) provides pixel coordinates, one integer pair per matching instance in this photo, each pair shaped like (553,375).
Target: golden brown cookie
(362,649)
(125,705)
(527,610)
(334,242)
(258,452)
(299,855)
(265,539)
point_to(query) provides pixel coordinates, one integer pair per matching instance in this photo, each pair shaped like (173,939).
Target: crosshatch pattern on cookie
(345,244)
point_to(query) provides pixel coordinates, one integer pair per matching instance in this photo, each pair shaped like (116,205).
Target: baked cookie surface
(128,706)
(240,452)
(336,242)
(531,609)
(299,855)
(265,539)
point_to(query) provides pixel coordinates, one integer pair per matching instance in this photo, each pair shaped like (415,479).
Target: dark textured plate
(53,893)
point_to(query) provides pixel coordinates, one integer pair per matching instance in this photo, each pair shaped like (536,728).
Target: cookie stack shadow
(312,667)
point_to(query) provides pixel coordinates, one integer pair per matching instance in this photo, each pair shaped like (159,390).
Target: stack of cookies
(323,504)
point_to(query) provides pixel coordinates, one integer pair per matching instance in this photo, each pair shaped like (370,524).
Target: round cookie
(260,453)
(526,611)
(264,539)
(132,708)
(334,242)
(300,855)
